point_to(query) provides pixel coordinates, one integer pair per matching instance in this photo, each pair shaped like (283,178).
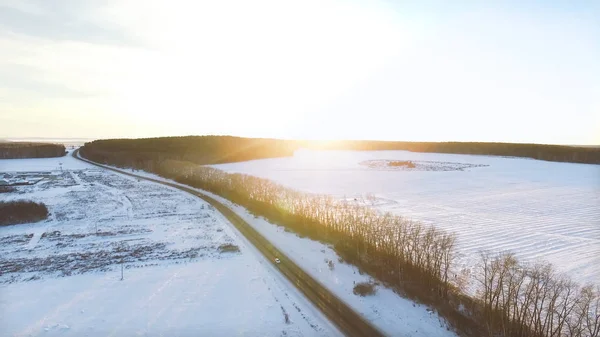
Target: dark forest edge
(413,259)
(556,153)
(202,150)
(207,150)
(21,150)
(21,211)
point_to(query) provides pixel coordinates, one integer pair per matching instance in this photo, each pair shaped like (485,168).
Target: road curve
(347,320)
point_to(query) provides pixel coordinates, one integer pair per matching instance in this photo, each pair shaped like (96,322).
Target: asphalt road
(347,320)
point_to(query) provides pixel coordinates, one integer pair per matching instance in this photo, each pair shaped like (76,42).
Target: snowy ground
(394,315)
(539,210)
(62,276)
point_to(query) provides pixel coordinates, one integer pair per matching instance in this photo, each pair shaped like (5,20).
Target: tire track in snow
(38,231)
(128,206)
(80,297)
(76,178)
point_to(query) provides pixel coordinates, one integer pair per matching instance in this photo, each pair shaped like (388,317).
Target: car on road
(277,261)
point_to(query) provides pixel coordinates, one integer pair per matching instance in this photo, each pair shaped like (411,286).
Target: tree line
(195,149)
(227,149)
(557,153)
(19,150)
(410,257)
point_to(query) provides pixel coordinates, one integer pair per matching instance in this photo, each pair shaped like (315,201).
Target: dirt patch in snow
(417,165)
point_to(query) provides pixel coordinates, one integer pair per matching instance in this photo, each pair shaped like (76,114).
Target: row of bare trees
(534,300)
(395,249)
(410,257)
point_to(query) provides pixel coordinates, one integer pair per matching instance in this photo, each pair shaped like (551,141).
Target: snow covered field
(539,210)
(182,273)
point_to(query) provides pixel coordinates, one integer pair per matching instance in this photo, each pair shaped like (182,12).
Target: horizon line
(18,139)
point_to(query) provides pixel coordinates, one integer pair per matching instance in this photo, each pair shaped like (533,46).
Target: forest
(20,211)
(413,259)
(557,153)
(19,150)
(226,149)
(196,149)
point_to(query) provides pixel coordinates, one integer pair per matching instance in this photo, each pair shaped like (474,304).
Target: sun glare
(326,69)
(266,61)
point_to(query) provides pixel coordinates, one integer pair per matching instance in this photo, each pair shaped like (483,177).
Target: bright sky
(514,71)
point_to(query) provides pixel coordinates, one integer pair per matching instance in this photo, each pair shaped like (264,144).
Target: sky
(508,71)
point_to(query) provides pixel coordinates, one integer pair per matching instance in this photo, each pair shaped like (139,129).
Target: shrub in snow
(364,289)
(228,247)
(331,265)
(6,189)
(21,211)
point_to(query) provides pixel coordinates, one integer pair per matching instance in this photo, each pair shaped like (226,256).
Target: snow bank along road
(347,320)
